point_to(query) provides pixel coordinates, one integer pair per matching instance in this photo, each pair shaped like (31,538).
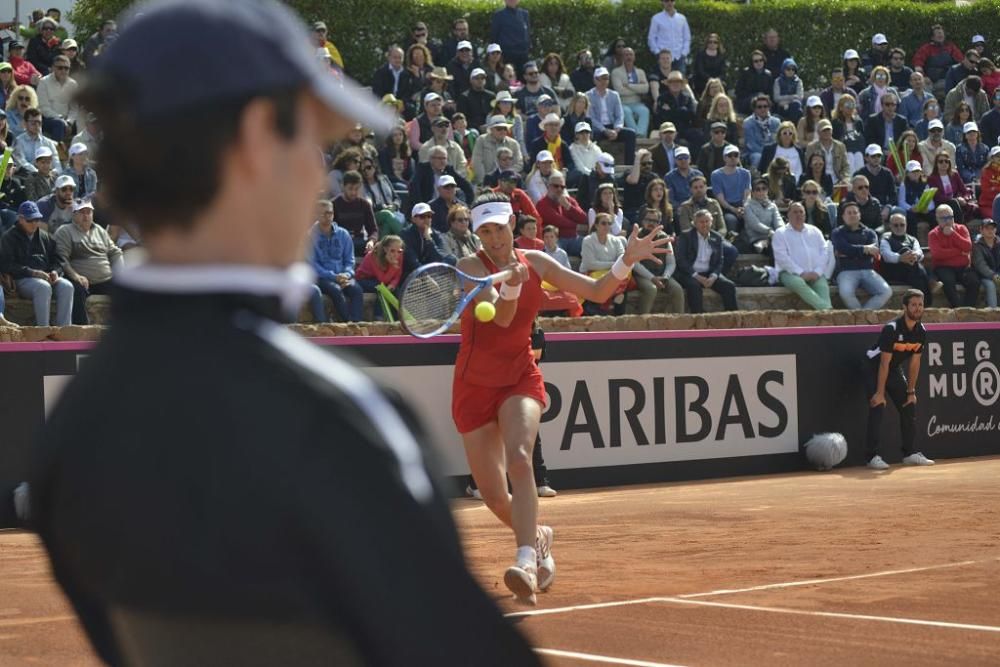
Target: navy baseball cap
(29,211)
(178,54)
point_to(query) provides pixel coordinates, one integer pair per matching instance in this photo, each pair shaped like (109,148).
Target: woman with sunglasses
(954,131)
(849,128)
(785,147)
(709,63)
(854,74)
(931,111)
(951,188)
(971,155)
(870,98)
(384,198)
(817,213)
(754,80)
(7,83)
(22,99)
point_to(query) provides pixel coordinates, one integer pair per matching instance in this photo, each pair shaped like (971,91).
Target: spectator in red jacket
(951,251)
(989,181)
(520,200)
(25,73)
(562,211)
(935,57)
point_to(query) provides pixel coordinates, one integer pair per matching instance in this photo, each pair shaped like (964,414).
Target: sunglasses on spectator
(682,157)
(944,161)
(763,106)
(424,215)
(23,98)
(61,67)
(758,60)
(810,192)
(946,217)
(849,105)
(718,131)
(557,186)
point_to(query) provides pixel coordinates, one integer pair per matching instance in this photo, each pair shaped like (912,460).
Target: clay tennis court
(850,567)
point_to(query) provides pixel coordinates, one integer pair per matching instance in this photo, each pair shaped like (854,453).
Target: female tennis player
(498,393)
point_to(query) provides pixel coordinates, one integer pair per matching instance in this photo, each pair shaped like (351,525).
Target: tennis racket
(434,296)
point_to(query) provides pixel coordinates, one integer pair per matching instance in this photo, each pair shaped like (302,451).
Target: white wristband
(620,269)
(509,292)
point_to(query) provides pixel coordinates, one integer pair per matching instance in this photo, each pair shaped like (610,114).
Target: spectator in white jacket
(56,93)
(801,254)
(584,151)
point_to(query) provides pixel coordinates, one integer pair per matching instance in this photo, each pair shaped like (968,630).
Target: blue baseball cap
(178,54)
(29,211)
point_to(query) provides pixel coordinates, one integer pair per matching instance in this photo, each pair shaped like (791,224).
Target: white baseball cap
(969,127)
(994,151)
(444,180)
(729,150)
(873,149)
(552,118)
(935,124)
(81,204)
(913,165)
(879,38)
(464,44)
(606,160)
(43,151)
(430,97)
(851,54)
(496,212)
(814,101)
(493,48)
(682,150)
(421,209)
(977,39)
(600,71)
(582,126)
(497,121)
(544,156)
(479,71)
(77,148)
(64,181)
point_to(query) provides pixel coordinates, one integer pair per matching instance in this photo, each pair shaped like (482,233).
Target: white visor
(498,212)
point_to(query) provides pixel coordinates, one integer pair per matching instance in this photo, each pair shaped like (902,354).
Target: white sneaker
(545,563)
(473,493)
(917,459)
(522,580)
(877,463)
(546,491)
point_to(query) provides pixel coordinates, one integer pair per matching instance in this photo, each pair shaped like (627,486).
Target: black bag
(752,276)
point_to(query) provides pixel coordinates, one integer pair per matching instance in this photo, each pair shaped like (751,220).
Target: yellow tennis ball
(485,311)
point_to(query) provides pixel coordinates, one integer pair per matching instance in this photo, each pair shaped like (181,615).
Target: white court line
(835,614)
(789,584)
(826,580)
(587,657)
(581,607)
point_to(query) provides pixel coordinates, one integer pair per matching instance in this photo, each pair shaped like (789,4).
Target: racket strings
(430,299)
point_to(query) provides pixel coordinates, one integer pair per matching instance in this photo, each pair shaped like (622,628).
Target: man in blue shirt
(731,187)
(332,258)
(679,178)
(856,248)
(511,29)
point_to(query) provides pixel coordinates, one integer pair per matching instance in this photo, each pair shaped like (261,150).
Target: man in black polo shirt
(212,489)
(901,340)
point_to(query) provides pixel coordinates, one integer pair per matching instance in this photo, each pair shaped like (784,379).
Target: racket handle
(500,276)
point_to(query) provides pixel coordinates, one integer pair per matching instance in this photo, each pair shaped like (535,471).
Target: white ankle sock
(526,556)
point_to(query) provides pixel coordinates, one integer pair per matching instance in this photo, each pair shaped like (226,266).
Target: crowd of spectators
(888,175)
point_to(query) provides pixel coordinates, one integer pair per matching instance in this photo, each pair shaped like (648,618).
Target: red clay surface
(908,563)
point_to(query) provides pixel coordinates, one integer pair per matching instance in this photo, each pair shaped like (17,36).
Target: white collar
(291,285)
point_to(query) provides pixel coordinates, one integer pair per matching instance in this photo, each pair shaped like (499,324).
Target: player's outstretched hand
(639,249)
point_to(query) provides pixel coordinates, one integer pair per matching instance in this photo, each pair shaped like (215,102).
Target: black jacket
(477,106)
(21,254)
(422,187)
(687,251)
(539,145)
(875,129)
(383,82)
(244,476)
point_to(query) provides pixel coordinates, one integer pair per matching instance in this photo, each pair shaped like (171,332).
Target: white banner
(612,413)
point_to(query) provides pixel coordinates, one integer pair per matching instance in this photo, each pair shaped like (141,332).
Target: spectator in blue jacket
(511,29)
(607,117)
(332,258)
(760,128)
(856,248)
(679,178)
(971,155)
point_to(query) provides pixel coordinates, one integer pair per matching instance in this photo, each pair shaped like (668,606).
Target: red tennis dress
(495,363)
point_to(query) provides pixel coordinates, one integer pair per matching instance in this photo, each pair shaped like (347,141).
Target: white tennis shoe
(522,580)
(545,563)
(917,459)
(877,463)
